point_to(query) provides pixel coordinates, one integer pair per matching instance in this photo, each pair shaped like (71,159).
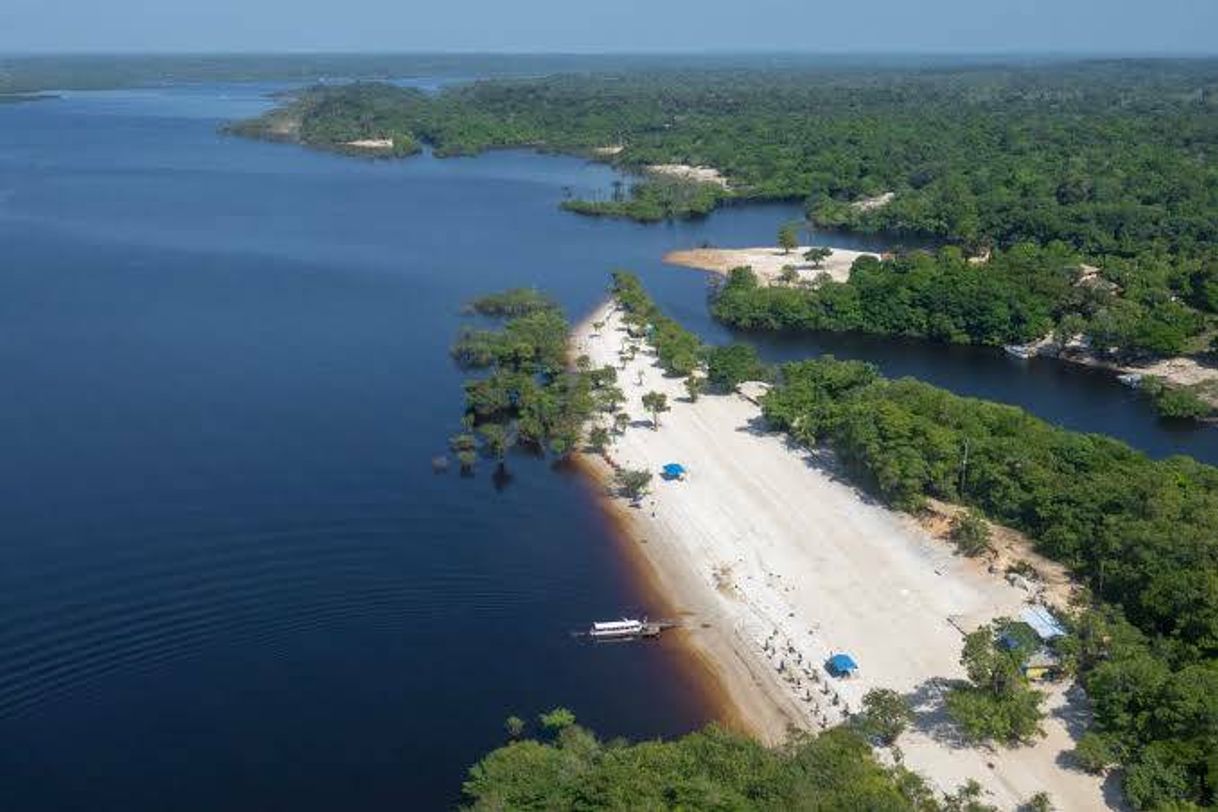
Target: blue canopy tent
(842,665)
(673,470)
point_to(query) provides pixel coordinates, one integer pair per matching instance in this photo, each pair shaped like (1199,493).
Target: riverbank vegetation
(567,767)
(1023,295)
(527,392)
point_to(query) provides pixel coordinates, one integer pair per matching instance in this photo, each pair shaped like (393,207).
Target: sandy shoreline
(767,262)
(773,564)
(697,174)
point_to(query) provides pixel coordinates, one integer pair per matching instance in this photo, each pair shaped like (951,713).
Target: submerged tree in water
(525,393)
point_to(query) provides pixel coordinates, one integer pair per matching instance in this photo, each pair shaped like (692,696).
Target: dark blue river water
(228,576)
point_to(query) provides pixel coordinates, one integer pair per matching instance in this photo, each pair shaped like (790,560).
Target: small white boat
(626,627)
(1131,379)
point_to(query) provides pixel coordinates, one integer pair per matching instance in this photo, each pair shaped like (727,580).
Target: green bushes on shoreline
(525,393)
(1019,296)
(567,767)
(1142,534)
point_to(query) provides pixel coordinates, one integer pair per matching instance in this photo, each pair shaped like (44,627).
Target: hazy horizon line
(669,52)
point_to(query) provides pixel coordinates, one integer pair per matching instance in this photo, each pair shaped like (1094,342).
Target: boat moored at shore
(626,629)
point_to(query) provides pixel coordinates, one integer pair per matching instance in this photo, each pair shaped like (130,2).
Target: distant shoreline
(18,98)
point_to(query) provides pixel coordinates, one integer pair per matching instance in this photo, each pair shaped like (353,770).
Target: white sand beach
(370,143)
(767,261)
(775,564)
(699,174)
(872,203)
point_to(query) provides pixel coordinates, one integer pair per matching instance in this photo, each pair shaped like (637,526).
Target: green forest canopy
(1110,157)
(709,769)
(1110,163)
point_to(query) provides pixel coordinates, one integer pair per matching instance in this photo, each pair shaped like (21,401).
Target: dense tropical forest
(1111,157)
(1141,534)
(1093,185)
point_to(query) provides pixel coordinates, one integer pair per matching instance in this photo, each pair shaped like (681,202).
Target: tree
(788,237)
(886,714)
(633,484)
(621,422)
(999,704)
(1094,752)
(463,442)
(557,719)
(1159,779)
(656,403)
(1176,402)
(789,275)
(1040,802)
(695,385)
(728,367)
(609,398)
(818,255)
(967,798)
(496,438)
(971,533)
(708,769)
(598,439)
(514,726)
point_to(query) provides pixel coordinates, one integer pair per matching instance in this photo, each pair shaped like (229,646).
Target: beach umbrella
(674,470)
(842,665)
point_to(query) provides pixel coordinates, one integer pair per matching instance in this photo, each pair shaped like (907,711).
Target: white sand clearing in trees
(767,261)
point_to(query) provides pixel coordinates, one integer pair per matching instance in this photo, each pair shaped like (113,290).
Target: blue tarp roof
(1042,622)
(843,663)
(674,468)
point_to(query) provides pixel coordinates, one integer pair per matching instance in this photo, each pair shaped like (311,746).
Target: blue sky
(940,26)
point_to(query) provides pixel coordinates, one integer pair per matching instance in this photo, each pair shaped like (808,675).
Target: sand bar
(699,174)
(370,143)
(775,564)
(873,203)
(767,261)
